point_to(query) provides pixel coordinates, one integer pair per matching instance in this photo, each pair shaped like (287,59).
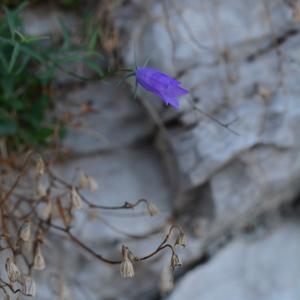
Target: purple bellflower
(160,84)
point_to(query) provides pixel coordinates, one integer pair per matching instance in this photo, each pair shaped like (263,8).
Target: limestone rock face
(247,269)
(229,153)
(238,59)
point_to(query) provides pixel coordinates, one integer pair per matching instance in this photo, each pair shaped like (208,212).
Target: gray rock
(116,121)
(224,53)
(263,269)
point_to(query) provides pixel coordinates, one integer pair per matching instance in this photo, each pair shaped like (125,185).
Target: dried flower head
(25,231)
(12,270)
(86,181)
(40,167)
(126,267)
(161,85)
(175,261)
(181,239)
(152,209)
(83,180)
(76,199)
(41,189)
(28,286)
(93,184)
(39,261)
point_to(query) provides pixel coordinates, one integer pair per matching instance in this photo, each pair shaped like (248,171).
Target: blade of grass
(10,21)
(14,57)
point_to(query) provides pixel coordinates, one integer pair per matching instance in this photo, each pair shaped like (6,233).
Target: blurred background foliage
(29,65)
(63,3)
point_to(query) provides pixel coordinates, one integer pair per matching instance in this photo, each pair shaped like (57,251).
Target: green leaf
(94,66)
(34,54)
(21,7)
(6,41)
(31,39)
(93,41)
(11,22)
(66,34)
(14,57)
(23,65)
(3,61)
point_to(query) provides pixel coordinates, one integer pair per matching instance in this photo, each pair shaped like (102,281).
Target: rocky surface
(249,269)
(238,71)
(239,59)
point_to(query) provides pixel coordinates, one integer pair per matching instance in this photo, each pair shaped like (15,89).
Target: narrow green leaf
(21,7)
(33,39)
(93,41)
(65,32)
(6,41)
(3,61)
(34,54)
(14,57)
(11,22)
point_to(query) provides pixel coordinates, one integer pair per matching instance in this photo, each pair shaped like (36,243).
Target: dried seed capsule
(12,270)
(152,209)
(181,240)
(126,267)
(93,184)
(76,199)
(40,167)
(28,286)
(175,262)
(41,190)
(83,180)
(25,231)
(39,261)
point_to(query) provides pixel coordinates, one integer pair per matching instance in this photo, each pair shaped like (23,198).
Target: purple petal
(180,91)
(172,101)
(160,84)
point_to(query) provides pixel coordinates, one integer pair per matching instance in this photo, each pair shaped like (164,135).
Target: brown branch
(16,182)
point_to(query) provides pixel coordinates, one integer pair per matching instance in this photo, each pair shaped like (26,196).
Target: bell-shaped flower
(160,84)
